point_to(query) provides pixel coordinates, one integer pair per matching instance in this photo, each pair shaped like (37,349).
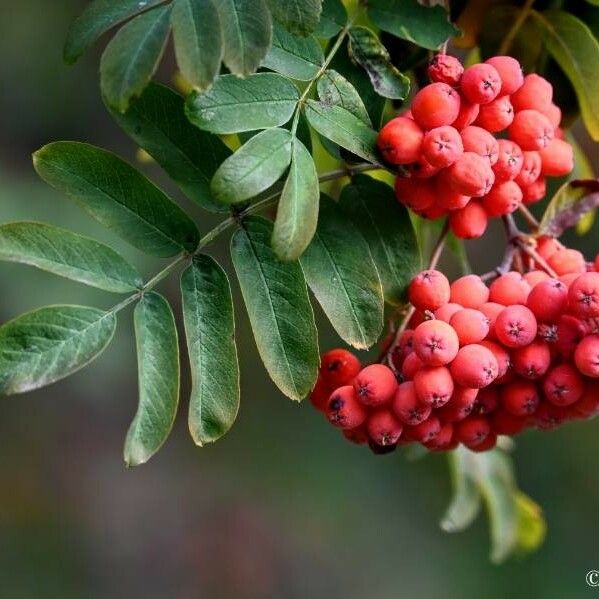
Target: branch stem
(508,40)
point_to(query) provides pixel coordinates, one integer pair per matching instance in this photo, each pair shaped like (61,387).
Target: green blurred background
(282,506)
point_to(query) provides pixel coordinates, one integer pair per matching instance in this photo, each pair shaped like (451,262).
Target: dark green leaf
(387,228)
(96,19)
(343,277)
(254,167)
(576,50)
(247,33)
(117,196)
(132,56)
(299,16)
(425,26)
(334,89)
(68,255)
(332,19)
(158,379)
(233,105)
(297,213)
(367,50)
(198,41)
(342,127)
(571,202)
(49,344)
(296,57)
(280,313)
(210,332)
(157,123)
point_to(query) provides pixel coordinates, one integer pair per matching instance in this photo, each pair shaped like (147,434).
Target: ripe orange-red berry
(414,193)
(338,367)
(436,105)
(583,295)
(535,93)
(406,406)
(470,222)
(426,431)
(509,161)
(481,83)
(433,385)
(531,130)
(480,141)
(429,290)
(510,72)
(501,355)
(467,115)
(567,261)
(471,175)
(442,146)
(446,311)
(469,292)
(357,435)
(563,385)
(516,326)
(343,408)
(496,115)
(570,332)
(474,366)
(557,159)
(375,385)
(535,191)
(435,342)
(411,365)
(510,288)
(520,398)
(445,69)
(487,400)
(531,168)
(547,300)
(472,431)
(383,428)
(554,114)
(471,325)
(586,356)
(491,310)
(400,141)
(504,198)
(461,405)
(532,361)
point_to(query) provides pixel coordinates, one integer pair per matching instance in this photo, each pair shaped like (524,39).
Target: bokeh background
(281,507)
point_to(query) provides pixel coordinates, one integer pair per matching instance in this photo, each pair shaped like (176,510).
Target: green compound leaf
(233,105)
(96,19)
(296,57)
(132,56)
(279,309)
(254,167)
(49,344)
(68,255)
(332,19)
(118,196)
(297,213)
(210,333)
(343,277)
(387,228)
(247,32)
(335,90)
(343,128)
(198,40)
(367,50)
(425,26)
(300,17)
(157,123)
(576,50)
(158,379)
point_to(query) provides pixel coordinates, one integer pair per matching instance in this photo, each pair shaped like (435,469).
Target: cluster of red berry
(476,361)
(457,166)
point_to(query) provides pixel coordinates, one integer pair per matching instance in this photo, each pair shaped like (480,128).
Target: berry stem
(529,217)
(508,40)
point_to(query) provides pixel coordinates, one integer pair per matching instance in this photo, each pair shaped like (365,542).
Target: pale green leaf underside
(334,89)
(210,334)
(68,255)
(279,309)
(49,344)
(158,379)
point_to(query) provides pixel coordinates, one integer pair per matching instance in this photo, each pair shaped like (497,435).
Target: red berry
(472,431)
(501,355)
(563,385)
(510,288)
(504,198)
(534,277)
(570,332)
(531,130)
(467,115)
(375,385)
(505,423)
(426,431)
(435,342)
(445,69)
(516,326)
(586,356)
(429,290)
(554,114)
(486,445)
(509,162)
(357,435)
(460,405)
(436,105)
(548,300)
(491,310)
(535,93)
(443,440)
(400,141)
(567,261)
(343,408)
(547,246)
(474,366)
(532,361)
(433,385)
(481,83)
(583,295)
(470,222)
(338,367)
(445,312)
(422,168)
(383,428)
(442,146)
(510,72)
(496,115)
(471,175)
(487,400)
(407,407)
(531,168)
(472,326)
(557,158)
(469,291)
(588,405)
(414,193)
(535,191)
(411,365)
(320,395)
(480,141)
